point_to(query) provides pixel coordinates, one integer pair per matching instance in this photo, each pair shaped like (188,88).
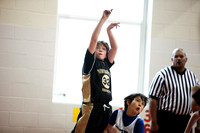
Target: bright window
(77,20)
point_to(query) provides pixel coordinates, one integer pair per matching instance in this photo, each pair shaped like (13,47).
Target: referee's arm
(153,113)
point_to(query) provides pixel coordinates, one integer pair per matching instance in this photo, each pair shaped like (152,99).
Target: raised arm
(97,30)
(113,43)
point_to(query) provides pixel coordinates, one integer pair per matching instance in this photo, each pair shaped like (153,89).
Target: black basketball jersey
(96,79)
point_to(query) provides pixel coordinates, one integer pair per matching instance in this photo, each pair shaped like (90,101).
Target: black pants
(98,119)
(171,123)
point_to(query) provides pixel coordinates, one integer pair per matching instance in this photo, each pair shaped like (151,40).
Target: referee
(170,96)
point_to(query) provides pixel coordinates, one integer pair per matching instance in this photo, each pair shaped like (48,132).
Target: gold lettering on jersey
(105,90)
(100,71)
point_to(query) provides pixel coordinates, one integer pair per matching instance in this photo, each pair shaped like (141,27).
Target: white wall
(175,23)
(27,52)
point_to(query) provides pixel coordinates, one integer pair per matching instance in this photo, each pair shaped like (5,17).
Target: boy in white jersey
(196,109)
(128,121)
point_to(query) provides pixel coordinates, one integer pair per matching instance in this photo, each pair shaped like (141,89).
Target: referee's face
(179,59)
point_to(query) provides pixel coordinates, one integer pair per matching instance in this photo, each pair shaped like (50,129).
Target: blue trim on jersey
(139,125)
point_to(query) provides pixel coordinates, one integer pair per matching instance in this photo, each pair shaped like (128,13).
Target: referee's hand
(154,128)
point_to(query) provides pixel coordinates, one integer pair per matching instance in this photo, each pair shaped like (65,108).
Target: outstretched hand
(113,25)
(107,13)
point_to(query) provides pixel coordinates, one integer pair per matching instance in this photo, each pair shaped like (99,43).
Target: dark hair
(104,44)
(131,97)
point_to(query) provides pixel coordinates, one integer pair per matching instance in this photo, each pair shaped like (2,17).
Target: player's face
(179,59)
(136,106)
(100,51)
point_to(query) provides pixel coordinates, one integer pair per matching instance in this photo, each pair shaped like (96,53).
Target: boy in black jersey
(96,90)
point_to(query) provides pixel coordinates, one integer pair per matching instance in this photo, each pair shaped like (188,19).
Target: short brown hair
(105,44)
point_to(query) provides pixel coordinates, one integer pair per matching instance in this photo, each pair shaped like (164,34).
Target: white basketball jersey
(120,124)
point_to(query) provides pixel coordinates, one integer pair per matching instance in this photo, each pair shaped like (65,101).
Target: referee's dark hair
(131,97)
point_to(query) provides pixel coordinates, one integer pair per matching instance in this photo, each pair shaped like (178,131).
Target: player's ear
(127,102)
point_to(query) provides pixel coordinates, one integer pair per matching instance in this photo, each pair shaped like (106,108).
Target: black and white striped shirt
(173,90)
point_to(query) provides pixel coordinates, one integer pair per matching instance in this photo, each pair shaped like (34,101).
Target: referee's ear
(172,59)
(186,59)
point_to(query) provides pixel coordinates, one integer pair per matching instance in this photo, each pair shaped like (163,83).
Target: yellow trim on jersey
(86,89)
